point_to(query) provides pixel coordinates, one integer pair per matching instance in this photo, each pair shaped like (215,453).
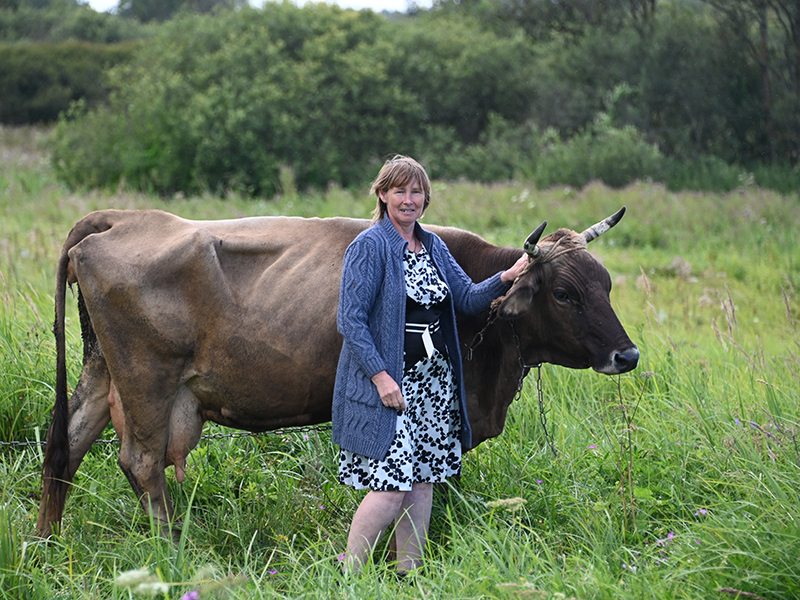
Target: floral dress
(426,447)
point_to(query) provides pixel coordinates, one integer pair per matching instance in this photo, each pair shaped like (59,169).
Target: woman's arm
(362,273)
(472,298)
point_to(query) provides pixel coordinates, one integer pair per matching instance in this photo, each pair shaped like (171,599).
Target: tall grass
(678,480)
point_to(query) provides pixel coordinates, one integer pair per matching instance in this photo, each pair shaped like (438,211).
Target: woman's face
(404,204)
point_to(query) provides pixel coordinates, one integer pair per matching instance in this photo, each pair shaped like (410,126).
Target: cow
(234,321)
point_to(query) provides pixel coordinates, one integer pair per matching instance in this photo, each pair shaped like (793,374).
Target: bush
(703,173)
(504,152)
(617,156)
(38,81)
(225,102)
(62,21)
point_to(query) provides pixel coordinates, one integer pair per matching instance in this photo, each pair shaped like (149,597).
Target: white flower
(133,577)
(152,588)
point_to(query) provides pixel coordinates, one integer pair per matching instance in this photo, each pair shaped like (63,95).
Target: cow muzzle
(620,361)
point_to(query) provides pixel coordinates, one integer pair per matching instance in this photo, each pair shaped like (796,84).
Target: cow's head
(561,304)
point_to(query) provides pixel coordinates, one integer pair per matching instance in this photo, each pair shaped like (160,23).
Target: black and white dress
(426,445)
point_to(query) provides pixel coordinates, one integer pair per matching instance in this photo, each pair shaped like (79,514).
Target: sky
(376,5)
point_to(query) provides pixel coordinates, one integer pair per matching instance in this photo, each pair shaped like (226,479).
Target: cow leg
(147,413)
(89,413)
(115,406)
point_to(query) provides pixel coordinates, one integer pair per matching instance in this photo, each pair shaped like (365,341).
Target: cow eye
(561,295)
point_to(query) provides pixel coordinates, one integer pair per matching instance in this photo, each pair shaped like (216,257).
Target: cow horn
(595,231)
(530,246)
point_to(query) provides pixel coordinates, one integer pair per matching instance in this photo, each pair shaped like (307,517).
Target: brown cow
(235,322)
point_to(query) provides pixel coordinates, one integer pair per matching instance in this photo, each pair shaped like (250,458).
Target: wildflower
(340,558)
(272,572)
(151,588)
(193,595)
(321,507)
(539,481)
(592,447)
(305,437)
(701,513)
(133,577)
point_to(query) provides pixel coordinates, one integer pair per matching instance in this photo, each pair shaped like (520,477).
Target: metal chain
(212,436)
(539,389)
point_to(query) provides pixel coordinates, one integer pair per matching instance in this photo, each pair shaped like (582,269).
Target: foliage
(617,156)
(225,102)
(64,20)
(38,81)
(770,32)
(471,87)
(163,10)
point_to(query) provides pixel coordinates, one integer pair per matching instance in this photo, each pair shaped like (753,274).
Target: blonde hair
(398,171)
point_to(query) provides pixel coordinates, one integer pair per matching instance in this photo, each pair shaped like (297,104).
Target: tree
(770,29)
(542,18)
(163,10)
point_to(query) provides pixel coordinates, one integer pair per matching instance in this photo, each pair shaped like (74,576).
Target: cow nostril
(627,359)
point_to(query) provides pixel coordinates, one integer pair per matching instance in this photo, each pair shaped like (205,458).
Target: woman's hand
(390,393)
(509,276)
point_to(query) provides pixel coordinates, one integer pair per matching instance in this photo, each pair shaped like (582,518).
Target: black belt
(421,327)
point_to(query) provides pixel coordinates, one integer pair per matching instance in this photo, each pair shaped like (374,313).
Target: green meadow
(676,481)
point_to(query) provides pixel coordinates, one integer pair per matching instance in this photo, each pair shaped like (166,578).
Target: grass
(675,481)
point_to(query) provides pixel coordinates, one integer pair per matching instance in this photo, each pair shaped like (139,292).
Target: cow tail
(55,470)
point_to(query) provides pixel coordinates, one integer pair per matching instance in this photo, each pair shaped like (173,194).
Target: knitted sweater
(371,317)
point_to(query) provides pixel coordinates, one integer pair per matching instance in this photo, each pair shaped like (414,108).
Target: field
(678,480)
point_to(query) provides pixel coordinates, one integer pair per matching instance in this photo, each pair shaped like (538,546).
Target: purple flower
(592,447)
(193,595)
(322,507)
(341,557)
(539,481)
(701,513)
(272,572)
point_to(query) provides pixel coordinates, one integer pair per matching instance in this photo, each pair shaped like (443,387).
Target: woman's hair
(397,172)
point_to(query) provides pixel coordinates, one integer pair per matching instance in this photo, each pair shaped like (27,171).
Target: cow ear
(516,302)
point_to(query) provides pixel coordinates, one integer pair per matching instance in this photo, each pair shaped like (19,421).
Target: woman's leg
(375,513)
(412,526)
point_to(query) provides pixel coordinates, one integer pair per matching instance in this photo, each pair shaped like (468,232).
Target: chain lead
(539,390)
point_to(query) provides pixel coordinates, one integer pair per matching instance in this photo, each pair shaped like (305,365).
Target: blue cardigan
(371,317)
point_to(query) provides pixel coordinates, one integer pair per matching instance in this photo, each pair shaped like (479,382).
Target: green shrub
(703,173)
(504,152)
(225,102)
(617,156)
(38,81)
(63,21)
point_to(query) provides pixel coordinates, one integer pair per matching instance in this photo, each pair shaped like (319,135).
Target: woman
(399,407)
